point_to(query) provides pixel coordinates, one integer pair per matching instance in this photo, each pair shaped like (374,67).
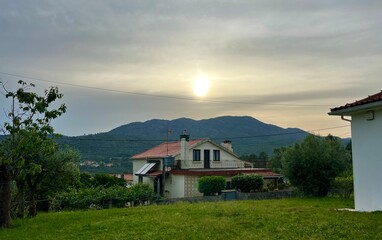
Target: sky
(116,62)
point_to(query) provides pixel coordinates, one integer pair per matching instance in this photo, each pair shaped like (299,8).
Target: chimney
(184,138)
(227,144)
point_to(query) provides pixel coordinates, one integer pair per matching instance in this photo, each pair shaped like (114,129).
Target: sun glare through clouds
(201,86)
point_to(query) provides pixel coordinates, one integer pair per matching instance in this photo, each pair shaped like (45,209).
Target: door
(158,187)
(206,158)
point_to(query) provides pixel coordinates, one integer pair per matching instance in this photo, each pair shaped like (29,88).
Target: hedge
(99,197)
(247,183)
(211,185)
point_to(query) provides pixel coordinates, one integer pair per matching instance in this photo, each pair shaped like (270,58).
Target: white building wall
(367,161)
(174,186)
(227,160)
(137,164)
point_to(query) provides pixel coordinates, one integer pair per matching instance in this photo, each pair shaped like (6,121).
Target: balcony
(224,164)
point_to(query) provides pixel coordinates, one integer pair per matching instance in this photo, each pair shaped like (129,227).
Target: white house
(366,128)
(173,168)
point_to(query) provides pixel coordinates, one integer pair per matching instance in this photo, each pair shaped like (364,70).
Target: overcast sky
(282,62)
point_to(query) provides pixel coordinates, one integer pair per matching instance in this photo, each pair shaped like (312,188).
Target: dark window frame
(216,155)
(196,155)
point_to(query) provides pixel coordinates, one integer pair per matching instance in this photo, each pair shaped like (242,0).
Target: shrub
(99,197)
(248,183)
(210,185)
(344,186)
(142,192)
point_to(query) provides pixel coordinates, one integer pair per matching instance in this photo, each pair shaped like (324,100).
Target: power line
(163,96)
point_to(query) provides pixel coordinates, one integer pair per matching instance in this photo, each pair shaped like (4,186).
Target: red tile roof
(164,149)
(370,99)
(127,176)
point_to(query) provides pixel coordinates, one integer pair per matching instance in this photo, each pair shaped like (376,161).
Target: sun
(201,86)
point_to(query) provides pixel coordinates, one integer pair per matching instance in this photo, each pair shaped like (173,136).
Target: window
(216,155)
(196,155)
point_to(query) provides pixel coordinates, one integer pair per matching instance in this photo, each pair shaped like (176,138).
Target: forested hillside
(112,150)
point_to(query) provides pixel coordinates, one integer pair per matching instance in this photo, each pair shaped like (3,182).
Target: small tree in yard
(248,183)
(313,165)
(210,185)
(27,142)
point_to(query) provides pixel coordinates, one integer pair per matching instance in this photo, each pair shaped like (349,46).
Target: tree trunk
(20,200)
(32,211)
(5,197)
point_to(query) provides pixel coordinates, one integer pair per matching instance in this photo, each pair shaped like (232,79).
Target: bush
(99,197)
(141,193)
(248,183)
(344,186)
(210,185)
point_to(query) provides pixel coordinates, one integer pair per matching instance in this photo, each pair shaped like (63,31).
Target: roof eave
(356,109)
(145,158)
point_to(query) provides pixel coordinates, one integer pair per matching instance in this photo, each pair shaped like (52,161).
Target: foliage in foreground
(99,197)
(316,218)
(210,185)
(247,183)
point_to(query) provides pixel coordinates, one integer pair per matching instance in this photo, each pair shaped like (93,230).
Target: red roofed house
(366,128)
(173,168)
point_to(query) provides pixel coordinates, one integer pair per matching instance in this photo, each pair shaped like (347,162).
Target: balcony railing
(189,164)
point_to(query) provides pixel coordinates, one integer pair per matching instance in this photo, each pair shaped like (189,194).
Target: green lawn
(266,219)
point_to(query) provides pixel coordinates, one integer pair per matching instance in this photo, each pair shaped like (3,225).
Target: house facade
(174,168)
(366,127)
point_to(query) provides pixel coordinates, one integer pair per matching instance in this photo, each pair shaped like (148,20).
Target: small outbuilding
(365,116)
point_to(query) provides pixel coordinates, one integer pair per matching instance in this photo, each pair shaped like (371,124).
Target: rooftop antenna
(169,131)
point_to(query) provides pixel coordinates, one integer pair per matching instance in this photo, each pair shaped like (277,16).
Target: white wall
(227,160)
(367,161)
(175,186)
(137,164)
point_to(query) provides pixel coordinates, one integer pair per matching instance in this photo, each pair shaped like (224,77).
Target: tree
(60,173)
(263,156)
(106,181)
(276,163)
(29,116)
(5,189)
(36,152)
(313,165)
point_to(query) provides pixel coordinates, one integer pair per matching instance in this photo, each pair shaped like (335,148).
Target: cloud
(319,52)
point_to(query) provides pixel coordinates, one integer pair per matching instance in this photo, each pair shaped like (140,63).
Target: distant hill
(248,135)
(111,151)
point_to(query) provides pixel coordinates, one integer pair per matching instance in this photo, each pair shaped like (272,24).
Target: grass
(268,219)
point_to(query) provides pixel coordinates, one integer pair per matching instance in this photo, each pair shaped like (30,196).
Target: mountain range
(248,136)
